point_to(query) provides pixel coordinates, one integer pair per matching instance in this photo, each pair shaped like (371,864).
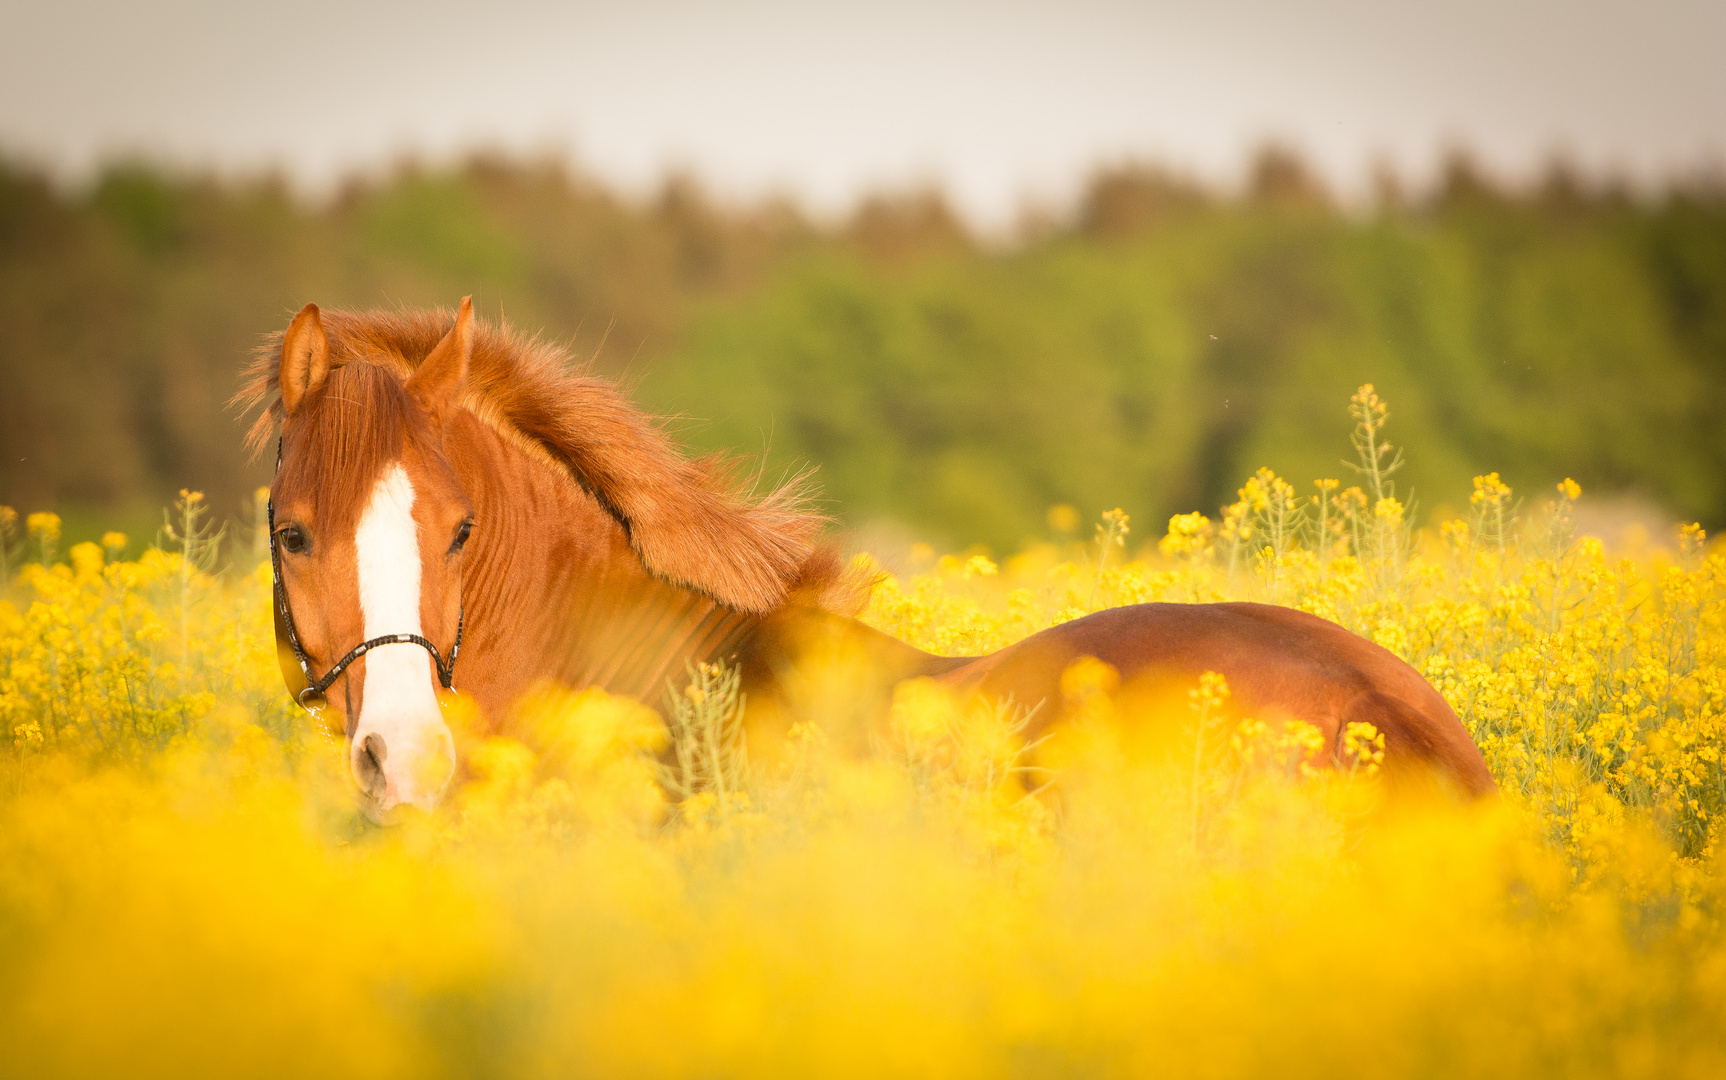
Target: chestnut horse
(450,502)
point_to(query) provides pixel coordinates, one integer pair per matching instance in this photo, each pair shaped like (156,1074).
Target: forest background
(1144,348)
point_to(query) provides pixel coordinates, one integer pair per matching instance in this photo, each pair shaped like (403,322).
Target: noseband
(315,687)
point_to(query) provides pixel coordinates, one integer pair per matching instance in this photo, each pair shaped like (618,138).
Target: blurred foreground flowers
(184,889)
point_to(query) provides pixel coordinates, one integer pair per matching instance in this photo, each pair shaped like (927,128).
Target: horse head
(368,526)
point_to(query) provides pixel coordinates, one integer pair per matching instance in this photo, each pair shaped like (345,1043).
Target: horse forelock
(346,434)
(697,522)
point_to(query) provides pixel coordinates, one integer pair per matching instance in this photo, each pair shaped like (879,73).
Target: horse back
(1279,662)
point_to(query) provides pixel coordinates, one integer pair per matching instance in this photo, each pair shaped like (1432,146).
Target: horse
(448,490)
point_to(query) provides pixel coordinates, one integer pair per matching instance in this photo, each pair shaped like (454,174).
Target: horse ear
(442,376)
(305,358)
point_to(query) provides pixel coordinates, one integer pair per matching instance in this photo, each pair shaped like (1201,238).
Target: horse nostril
(369,758)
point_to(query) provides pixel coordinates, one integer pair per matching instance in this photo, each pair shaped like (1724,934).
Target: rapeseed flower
(1157,883)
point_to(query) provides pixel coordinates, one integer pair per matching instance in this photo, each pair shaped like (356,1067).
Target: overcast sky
(996,101)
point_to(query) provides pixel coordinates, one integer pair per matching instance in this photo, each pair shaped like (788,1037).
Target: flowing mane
(691,520)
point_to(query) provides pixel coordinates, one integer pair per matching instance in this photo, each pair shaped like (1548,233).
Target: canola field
(185,889)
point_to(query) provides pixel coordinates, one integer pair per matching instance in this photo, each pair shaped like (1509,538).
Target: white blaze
(399,701)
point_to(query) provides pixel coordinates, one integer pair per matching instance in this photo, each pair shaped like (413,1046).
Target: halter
(315,687)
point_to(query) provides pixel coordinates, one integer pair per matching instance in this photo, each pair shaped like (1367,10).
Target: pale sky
(997,102)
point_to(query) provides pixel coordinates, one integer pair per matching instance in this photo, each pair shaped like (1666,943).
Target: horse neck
(555,591)
(797,636)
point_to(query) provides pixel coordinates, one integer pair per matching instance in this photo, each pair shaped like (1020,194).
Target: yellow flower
(1112,531)
(1210,693)
(1490,491)
(1086,676)
(826,834)
(44,526)
(981,566)
(86,558)
(1363,744)
(1367,401)
(1188,534)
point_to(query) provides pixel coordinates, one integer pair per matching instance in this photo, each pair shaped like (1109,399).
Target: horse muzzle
(398,767)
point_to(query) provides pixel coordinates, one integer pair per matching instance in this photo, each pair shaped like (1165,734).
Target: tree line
(1148,347)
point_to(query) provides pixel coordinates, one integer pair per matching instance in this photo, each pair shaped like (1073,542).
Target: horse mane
(692,521)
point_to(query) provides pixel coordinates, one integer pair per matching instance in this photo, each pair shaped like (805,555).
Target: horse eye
(461,535)
(293,540)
